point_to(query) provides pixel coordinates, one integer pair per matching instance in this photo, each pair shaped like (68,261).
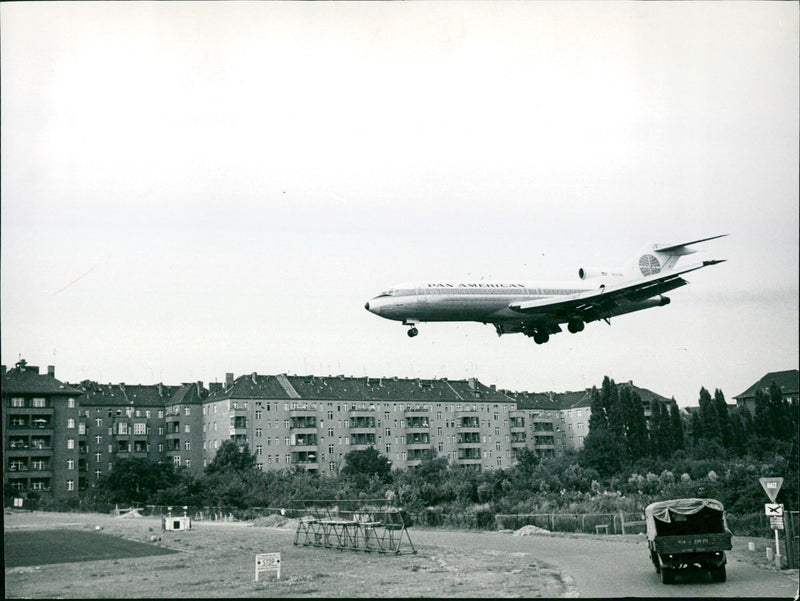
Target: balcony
(417,423)
(362,422)
(306,420)
(30,410)
(468,422)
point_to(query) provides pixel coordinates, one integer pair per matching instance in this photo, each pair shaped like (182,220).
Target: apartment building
(120,421)
(40,432)
(62,438)
(314,422)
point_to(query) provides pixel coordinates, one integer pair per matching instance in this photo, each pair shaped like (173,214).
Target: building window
(70,443)
(186,428)
(160,447)
(37,402)
(187,446)
(287,458)
(187,462)
(259,448)
(98,473)
(140,428)
(71,403)
(176,460)
(122,428)
(70,464)
(187,410)
(70,484)
(70,423)
(258,432)
(17,402)
(161,430)
(98,457)
(81,428)
(160,414)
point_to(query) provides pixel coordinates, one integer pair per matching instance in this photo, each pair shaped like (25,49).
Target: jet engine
(597,272)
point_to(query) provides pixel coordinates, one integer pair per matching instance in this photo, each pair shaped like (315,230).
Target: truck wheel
(718,574)
(667,576)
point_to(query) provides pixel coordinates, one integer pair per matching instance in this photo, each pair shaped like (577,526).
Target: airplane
(539,309)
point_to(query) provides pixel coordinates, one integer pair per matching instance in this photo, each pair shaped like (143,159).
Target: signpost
(774,510)
(268,562)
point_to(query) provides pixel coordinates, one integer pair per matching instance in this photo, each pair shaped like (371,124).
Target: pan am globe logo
(649,265)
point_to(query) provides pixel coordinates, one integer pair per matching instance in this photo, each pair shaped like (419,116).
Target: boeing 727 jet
(539,309)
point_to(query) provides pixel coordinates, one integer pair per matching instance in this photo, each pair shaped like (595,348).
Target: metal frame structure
(353,525)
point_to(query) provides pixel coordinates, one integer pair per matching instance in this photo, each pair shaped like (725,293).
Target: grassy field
(217,560)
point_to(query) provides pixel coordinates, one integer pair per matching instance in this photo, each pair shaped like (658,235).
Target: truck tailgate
(692,543)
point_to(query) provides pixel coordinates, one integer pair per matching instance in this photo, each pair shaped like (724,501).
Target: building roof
(350,389)
(786,380)
(562,401)
(26,379)
(127,395)
(191,393)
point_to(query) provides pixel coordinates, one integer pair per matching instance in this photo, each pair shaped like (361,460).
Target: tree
(661,442)
(230,458)
(136,480)
(724,419)
(676,426)
(361,466)
(709,417)
(603,451)
(635,425)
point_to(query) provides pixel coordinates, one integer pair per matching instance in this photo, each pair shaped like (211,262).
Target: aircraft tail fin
(656,258)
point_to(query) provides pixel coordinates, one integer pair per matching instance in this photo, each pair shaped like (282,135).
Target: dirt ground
(218,560)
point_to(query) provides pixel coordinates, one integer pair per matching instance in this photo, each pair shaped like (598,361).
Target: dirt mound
(530,529)
(275,521)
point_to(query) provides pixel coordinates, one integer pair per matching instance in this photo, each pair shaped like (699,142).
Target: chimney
(254,377)
(228,380)
(214,386)
(200,390)
(473,383)
(160,389)
(51,371)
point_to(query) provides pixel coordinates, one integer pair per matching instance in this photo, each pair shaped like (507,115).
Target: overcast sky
(190,189)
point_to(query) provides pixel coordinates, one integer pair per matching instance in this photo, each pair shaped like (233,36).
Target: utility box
(176,523)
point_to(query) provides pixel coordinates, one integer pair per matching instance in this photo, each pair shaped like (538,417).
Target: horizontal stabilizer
(683,245)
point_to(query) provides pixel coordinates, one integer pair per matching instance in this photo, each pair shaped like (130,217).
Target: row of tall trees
(773,424)
(618,432)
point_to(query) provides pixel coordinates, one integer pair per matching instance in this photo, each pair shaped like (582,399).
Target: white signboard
(268,562)
(771,486)
(776,523)
(774,510)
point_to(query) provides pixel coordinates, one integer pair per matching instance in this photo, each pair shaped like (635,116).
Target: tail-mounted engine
(595,272)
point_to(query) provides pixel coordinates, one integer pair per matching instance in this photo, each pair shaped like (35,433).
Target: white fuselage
(484,302)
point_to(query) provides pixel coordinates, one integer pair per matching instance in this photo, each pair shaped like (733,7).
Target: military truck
(686,533)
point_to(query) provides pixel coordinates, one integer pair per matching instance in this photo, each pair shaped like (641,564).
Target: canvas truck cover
(661,511)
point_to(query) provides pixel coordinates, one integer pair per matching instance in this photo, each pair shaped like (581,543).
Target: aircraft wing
(606,301)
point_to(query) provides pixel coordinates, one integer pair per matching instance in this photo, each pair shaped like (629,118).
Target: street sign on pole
(774,510)
(771,486)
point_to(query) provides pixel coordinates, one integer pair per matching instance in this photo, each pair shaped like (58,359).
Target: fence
(752,524)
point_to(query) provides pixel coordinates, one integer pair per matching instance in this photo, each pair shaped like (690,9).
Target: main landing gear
(539,336)
(575,326)
(413,332)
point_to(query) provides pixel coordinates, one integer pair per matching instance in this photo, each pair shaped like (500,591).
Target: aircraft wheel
(575,326)
(413,332)
(541,337)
